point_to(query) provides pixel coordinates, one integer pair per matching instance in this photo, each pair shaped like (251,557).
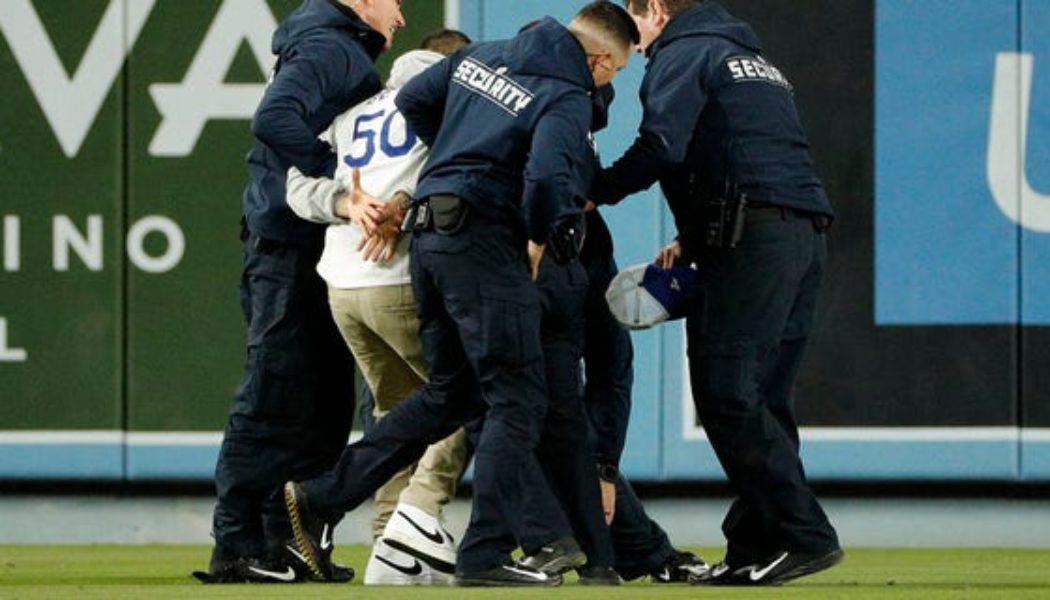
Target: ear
(658,12)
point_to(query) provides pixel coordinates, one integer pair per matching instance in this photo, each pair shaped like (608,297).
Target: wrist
(403,200)
(341,207)
(608,472)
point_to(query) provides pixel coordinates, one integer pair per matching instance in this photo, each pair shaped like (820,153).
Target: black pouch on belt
(566,240)
(449,213)
(724,220)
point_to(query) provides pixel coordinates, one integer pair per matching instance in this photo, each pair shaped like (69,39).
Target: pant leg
(437,475)
(565,450)
(499,316)
(608,355)
(379,324)
(388,328)
(734,336)
(639,543)
(290,414)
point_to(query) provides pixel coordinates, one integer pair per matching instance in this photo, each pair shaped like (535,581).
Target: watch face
(608,473)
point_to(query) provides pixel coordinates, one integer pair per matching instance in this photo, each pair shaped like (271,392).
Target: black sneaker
(680,567)
(313,535)
(340,573)
(557,557)
(509,575)
(239,569)
(598,576)
(781,568)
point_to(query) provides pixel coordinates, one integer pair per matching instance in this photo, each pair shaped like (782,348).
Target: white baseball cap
(646,295)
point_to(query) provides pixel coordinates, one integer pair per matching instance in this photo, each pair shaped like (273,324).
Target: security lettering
(493,85)
(756,69)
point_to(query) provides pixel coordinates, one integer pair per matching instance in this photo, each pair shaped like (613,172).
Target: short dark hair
(641,7)
(445,41)
(613,19)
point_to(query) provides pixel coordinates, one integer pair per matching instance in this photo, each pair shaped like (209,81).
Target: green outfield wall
(123,131)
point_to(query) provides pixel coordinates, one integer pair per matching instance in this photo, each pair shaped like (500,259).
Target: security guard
(720,132)
(503,120)
(292,412)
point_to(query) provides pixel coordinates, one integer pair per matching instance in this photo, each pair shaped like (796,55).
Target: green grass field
(162,572)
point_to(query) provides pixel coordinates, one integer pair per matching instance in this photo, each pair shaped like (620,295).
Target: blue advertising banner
(962,141)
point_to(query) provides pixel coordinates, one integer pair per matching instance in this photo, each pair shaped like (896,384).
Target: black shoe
(781,568)
(239,569)
(508,575)
(680,567)
(313,535)
(557,557)
(598,576)
(291,554)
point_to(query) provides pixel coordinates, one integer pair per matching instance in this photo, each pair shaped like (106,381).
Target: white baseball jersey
(373,137)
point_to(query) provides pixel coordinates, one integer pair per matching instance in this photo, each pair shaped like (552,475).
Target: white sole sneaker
(417,533)
(390,566)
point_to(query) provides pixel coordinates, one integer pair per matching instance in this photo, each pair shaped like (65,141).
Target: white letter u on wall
(1008,144)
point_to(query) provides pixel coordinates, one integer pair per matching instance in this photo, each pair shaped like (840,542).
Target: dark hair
(445,41)
(641,7)
(613,19)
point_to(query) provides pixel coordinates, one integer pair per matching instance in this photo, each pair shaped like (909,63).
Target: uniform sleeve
(672,99)
(551,173)
(422,100)
(301,85)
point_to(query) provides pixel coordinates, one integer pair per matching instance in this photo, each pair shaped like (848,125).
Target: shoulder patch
(493,84)
(755,69)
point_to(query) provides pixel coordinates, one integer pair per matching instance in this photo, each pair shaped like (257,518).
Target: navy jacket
(506,122)
(325,65)
(715,111)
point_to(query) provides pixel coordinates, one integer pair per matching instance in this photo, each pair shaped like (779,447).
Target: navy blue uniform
(566,452)
(640,545)
(292,412)
(715,111)
(490,113)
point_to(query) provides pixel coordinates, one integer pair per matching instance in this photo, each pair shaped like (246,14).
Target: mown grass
(163,572)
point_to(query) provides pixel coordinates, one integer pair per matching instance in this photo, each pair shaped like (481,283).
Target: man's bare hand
(608,500)
(361,207)
(669,255)
(535,256)
(382,244)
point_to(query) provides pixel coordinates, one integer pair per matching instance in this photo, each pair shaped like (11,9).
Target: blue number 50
(365,129)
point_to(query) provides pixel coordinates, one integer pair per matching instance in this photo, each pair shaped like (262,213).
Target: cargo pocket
(510,324)
(723,378)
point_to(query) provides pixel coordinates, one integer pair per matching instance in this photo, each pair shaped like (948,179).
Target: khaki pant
(381,327)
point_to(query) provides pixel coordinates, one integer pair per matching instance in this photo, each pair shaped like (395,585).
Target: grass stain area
(162,572)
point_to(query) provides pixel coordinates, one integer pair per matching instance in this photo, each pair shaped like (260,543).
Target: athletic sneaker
(390,566)
(680,567)
(313,535)
(780,568)
(557,557)
(238,569)
(509,575)
(340,573)
(598,576)
(422,535)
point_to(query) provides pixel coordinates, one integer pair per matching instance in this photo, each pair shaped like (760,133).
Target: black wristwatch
(608,472)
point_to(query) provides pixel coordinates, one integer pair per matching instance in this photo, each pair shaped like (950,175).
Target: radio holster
(443,214)
(566,241)
(724,220)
